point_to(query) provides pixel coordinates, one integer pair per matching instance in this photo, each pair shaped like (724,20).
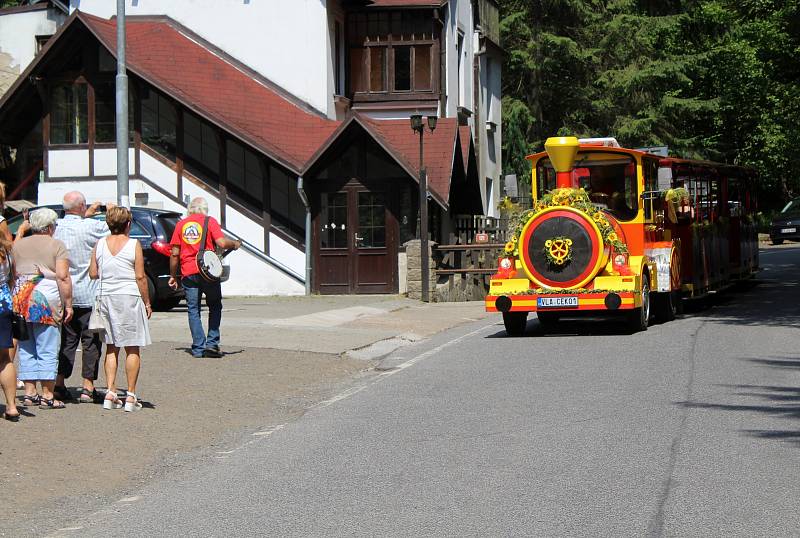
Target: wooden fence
(467,226)
(463,271)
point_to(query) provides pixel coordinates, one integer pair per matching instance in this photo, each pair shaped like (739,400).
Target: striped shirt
(80,236)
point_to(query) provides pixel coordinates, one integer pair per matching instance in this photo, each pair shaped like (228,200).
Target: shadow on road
(596,326)
(779,401)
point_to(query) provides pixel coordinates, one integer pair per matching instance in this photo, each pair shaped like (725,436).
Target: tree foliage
(713,79)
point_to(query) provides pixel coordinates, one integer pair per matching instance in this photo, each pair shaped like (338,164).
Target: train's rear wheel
(639,318)
(664,306)
(515,323)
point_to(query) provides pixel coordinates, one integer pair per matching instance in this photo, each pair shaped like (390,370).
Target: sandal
(111,401)
(134,405)
(62,393)
(52,403)
(11,418)
(27,400)
(89,396)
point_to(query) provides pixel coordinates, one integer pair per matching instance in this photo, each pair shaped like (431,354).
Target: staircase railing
(255,251)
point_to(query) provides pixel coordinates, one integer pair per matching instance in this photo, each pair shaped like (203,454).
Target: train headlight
(505,268)
(620,264)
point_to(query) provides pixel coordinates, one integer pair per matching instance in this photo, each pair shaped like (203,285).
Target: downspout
(304,198)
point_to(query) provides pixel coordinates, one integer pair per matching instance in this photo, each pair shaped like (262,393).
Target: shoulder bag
(19,325)
(209,263)
(96,317)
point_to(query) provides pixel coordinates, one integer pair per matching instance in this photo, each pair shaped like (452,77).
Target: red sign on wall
(481,238)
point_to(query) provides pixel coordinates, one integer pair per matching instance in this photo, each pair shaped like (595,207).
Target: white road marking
(270,431)
(355,390)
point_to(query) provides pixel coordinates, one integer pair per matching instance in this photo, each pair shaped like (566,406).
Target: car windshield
(792,207)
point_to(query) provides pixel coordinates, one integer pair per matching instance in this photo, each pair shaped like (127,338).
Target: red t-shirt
(187,235)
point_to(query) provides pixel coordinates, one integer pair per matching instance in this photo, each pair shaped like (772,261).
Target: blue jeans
(38,355)
(195,287)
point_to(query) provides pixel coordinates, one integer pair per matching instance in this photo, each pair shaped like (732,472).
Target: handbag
(19,325)
(19,328)
(209,263)
(96,317)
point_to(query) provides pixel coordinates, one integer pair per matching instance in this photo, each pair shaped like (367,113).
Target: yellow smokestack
(562,151)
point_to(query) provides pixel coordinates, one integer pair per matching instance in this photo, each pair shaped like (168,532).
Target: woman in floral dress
(44,303)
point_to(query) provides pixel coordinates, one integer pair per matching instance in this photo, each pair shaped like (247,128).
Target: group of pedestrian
(81,281)
(69,281)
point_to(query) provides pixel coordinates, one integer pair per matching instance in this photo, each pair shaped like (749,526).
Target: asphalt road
(688,429)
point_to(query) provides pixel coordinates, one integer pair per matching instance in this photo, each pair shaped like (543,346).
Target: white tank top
(117,275)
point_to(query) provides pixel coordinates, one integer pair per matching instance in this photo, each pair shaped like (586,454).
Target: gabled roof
(250,107)
(402,144)
(216,87)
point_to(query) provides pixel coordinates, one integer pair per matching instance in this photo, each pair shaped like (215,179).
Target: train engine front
(580,248)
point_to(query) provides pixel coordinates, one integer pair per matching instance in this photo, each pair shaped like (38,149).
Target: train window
(545,177)
(609,178)
(611,183)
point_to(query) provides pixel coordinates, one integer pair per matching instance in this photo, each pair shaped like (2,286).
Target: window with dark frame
(41,41)
(288,211)
(159,122)
(200,148)
(371,220)
(333,220)
(245,175)
(391,52)
(105,113)
(69,114)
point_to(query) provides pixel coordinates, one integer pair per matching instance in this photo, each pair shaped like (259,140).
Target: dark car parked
(153,228)
(786,224)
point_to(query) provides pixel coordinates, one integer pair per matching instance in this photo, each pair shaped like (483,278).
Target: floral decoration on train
(558,251)
(565,197)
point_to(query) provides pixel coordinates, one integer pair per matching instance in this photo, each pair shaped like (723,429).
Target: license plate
(788,230)
(556,302)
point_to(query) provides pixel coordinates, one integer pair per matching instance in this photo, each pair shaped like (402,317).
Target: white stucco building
(242,102)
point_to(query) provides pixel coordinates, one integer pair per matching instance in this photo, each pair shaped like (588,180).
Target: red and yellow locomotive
(615,230)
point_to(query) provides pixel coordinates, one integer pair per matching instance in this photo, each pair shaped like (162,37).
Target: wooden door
(333,231)
(356,242)
(374,272)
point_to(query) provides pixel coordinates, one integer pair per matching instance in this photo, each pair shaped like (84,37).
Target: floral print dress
(6,301)
(37,299)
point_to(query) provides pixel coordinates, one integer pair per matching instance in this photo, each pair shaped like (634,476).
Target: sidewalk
(324,324)
(283,355)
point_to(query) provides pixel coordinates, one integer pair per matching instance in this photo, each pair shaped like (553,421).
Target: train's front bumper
(515,295)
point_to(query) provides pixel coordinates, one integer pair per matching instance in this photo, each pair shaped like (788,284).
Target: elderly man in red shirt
(185,247)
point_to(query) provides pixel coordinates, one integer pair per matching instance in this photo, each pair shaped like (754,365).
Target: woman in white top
(118,262)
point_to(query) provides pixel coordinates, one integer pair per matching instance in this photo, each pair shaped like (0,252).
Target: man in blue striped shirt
(80,233)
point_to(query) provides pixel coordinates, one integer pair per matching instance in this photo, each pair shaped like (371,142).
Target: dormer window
(392,55)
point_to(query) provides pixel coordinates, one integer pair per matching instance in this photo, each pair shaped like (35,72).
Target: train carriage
(620,231)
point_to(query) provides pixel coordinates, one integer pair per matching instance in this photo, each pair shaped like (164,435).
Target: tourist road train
(623,232)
